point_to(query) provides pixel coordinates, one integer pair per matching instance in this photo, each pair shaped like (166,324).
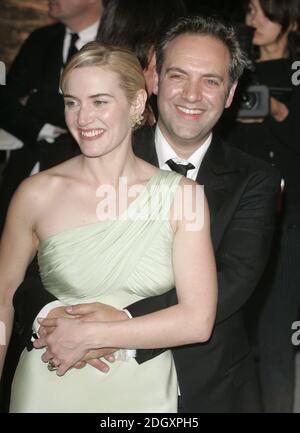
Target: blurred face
(266,32)
(68,9)
(97,111)
(193,89)
(149,72)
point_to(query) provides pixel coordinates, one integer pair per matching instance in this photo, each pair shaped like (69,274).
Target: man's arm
(26,312)
(241,256)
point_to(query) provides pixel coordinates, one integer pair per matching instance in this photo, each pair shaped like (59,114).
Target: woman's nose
(85,116)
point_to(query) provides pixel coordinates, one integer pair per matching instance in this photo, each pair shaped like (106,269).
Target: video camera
(253,99)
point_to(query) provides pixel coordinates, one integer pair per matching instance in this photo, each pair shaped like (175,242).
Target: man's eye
(212,82)
(176,76)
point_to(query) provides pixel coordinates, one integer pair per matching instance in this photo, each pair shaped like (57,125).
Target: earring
(136,120)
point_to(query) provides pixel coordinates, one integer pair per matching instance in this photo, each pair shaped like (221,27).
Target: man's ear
(155,85)
(231,94)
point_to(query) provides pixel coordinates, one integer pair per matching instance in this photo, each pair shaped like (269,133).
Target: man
(198,65)
(33,108)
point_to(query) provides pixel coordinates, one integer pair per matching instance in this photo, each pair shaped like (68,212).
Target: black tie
(72,47)
(180,168)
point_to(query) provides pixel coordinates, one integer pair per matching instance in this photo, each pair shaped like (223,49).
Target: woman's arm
(17,248)
(190,321)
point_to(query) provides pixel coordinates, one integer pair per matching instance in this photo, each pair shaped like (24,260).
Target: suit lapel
(144,145)
(53,60)
(218,175)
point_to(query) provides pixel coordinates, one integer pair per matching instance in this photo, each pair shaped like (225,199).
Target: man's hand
(92,358)
(96,312)
(55,313)
(88,312)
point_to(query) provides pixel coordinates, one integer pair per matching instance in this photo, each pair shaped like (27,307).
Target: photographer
(275,138)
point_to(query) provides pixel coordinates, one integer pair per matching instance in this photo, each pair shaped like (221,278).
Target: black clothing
(219,375)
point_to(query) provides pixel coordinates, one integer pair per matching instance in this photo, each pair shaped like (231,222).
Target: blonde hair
(119,60)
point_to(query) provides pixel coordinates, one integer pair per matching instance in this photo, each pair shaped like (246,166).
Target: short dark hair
(205,26)
(285,13)
(137,25)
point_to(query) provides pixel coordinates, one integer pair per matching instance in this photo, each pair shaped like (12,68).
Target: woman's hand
(278,110)
(66,344)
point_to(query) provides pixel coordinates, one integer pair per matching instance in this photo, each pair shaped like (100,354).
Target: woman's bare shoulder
(39,187)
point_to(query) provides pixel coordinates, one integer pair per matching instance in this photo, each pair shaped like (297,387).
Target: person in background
(138,26)
(33,105)
(275,139)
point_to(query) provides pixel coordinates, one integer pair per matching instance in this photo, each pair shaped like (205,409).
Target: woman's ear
(139,104)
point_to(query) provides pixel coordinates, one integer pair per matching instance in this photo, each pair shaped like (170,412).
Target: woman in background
(275,139)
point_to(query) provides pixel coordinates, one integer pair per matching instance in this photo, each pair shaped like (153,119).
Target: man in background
(32,108)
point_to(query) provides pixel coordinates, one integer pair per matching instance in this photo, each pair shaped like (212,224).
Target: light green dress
(118,262)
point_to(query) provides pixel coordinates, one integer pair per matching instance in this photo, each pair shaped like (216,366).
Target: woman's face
(97,110)
(266,32)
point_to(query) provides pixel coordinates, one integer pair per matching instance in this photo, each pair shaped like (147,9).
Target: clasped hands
(64,331)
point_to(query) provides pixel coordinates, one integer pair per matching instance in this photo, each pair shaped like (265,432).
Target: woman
(96,243)
(276,139)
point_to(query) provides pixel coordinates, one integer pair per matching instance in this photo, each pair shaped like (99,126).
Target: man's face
(68,9)
(193,89)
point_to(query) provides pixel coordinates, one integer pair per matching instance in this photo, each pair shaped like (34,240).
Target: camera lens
(248,100)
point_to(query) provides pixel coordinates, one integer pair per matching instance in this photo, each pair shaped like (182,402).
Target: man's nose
(193,90)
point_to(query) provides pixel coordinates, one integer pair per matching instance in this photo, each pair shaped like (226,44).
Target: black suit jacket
(35,75)
(34,79)
(217,376)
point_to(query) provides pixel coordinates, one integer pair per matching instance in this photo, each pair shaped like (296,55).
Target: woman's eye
(98,103)
(250,10)
(71,104)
